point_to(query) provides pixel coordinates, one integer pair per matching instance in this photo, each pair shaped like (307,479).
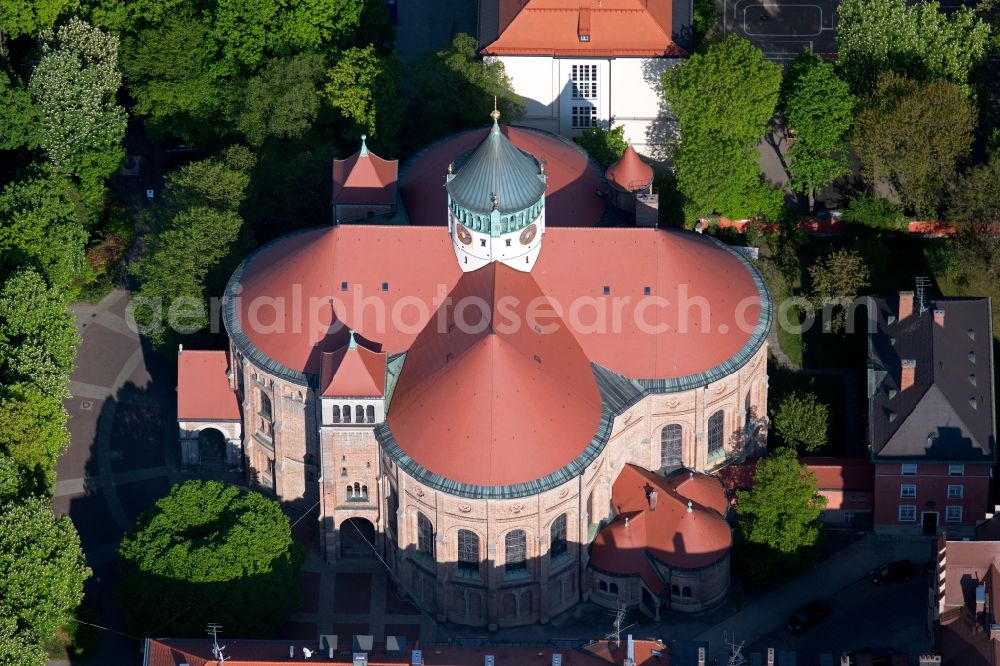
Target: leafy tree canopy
(802,421)
(33,432)
(604,145)
(28,17)
(727,93)
(283,100)
(913,134)
(782,511)
(974,200)
(38,336)
(453,89)
(208,552)
(19,117)
(918,40)
(39,226)
(837,280)
(74,84)
(364,88)
(873,211)
(42,570)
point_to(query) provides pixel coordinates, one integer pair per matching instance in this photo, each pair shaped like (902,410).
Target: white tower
(496,204)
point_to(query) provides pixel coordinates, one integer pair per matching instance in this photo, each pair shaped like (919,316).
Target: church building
(504,386)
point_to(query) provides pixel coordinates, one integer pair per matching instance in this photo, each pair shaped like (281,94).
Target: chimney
(939,317)
(905,304)
(291,651)
(770,656)
(652,500)
(417,658)
(557,659)
(701,656)
(930,660)
(907,373)
(629,651)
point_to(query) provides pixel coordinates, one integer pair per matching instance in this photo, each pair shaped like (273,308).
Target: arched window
(350,492)
(675,590)
(370,413)
(347,413)
(515,550)
(715,425)
(557,537)
(359,414)
(670,445)
(613,588)
(468,551)
(685,591)
(425,535)
(602,585)
(364,493)
(265,406)
(335,414)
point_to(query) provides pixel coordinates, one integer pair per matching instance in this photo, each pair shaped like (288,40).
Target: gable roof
(353,371)
(947,413)
(364,178)
(203,391)
(648,28)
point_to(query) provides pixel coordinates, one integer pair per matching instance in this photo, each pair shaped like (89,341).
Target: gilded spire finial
(495,200)
(495,114)
(364,146)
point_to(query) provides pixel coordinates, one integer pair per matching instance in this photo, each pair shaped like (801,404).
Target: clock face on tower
(528,234)
(463,234)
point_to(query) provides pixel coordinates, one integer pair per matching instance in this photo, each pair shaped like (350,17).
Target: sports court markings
(754,15)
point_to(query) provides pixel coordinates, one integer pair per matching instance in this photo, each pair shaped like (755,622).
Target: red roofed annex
(517,405)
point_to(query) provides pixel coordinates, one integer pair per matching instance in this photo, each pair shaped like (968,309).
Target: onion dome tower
(496,204)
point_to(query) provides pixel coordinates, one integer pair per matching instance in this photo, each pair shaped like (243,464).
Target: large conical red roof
(630,172)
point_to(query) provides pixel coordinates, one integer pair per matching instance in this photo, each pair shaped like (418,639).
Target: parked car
(805,617)
(892,572)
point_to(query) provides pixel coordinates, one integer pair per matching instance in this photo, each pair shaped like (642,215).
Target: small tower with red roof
(631,187)
(364,186)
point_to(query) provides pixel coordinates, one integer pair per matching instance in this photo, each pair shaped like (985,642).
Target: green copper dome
(497,176)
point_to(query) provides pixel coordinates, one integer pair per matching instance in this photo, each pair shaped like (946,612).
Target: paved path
(838,572)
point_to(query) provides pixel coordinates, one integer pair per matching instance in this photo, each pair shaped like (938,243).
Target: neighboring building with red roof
(965,610)
(460,393)
(208,413)
(240,652)
(580,63)
(364,186)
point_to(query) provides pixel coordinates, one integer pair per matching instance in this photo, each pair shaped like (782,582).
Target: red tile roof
(630,173)
(203,391)
(614,28)
(198,652)
(477,395)
(353,372)
(364,178)
(842,473)
(572,179)
(657,338)
(670,533)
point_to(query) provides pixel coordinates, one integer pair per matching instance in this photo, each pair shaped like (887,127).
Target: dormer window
(584,38)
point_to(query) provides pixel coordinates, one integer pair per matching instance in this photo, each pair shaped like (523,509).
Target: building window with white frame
(907,513)
(849,517)
(584,81)
(956,491)
(584,117)
(953,514)
(908,469)
(907,490)
(956,470)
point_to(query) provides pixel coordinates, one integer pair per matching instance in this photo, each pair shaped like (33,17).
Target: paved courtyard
(783,28)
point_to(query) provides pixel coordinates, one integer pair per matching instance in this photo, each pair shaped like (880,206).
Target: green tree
(724,99)
(74,84)
(871,210)
(167,68)
(208,552)
(454,88)
(283,100)
(217,182)
(38,337)
(42,571)
(28,17)
(913,134)
(604,145)
(781,513)
(364,88)
(19,118)
(837,280)
(801,420)
(33,432)
(918,40)
(819,108)
(974,199)
(14,487)
(39,227)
